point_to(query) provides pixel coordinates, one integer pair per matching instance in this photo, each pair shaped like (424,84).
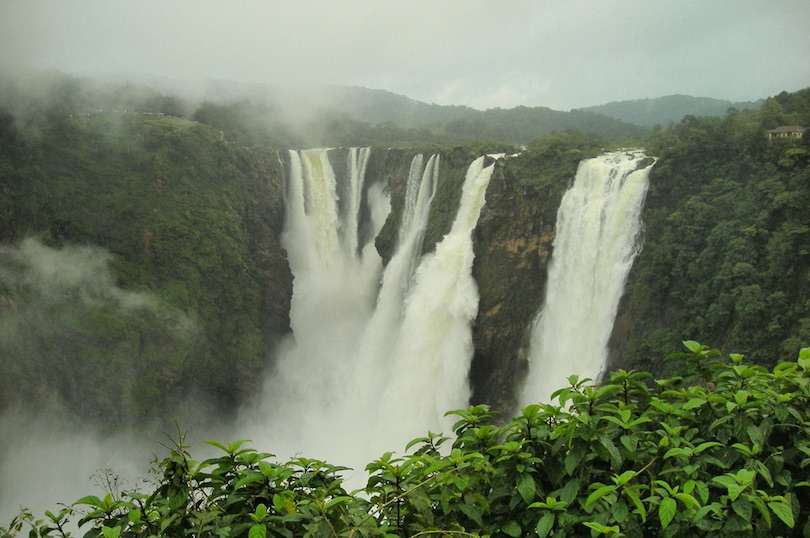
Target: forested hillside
(666,110)
(151,250)
(377,116)
(726,256)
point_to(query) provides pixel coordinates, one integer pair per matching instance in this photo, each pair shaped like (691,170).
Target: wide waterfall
(598,226)
(376,357)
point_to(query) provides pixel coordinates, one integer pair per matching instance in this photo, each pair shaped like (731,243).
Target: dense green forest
(726,257)
(177,300)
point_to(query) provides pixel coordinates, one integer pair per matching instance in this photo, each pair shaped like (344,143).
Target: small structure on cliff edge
(786,131)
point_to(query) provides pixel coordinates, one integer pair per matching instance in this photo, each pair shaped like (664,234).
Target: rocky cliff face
(513,245)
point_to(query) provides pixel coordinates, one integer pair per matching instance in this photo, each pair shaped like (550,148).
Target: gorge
(194,272)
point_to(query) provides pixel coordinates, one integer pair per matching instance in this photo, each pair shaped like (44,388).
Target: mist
(70,394)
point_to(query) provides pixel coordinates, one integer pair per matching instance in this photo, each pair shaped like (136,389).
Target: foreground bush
(721,450)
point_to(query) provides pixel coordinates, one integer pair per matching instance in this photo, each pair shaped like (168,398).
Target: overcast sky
(561,54)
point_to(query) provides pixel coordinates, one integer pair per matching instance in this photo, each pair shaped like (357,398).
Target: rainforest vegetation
(164,215)
(726,257)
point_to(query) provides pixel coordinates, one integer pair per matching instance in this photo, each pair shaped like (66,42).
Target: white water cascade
(381,331)
(376,358)
(334,291)
(598,226)
(433,351)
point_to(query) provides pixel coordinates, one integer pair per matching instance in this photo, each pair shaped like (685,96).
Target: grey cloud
(479,53)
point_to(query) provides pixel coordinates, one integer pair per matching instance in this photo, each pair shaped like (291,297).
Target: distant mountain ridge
(309,115)
(517,125)
(668,109)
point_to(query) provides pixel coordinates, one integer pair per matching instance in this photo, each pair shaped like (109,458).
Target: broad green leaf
(704,446)
(694,403)
(613,452)
(257,531)
(472,511)
(624,478)
(260,513)
(755,434)
(111,532)
(693,346)
(783,512)
(666,511)
(687,500)
(90,500)
(763,471)
(620,511)
(679,451)
(217,445)
(743,508)
(759,504)
(526,487)
(639,420)
(732,485)
(804,358)
(266,468)
(545,525)
(598,494)
(134,516)
(512,529)
(743,449)
(703,491)
(573,459)
(630,442)
(745,476)
(630,494)
(336,501)
(250,478)
(570,491)
(602,529)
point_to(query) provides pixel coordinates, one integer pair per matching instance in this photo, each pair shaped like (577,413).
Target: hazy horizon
(477,54)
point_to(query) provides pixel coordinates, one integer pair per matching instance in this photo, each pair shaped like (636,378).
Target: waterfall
(598,225)
(419,194)
(358,160)
(432,353)
(334,291)
(376,357)
(381,331)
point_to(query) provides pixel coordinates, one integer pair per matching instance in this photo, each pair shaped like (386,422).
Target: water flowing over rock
(598,225)
(432,354)
(388,353)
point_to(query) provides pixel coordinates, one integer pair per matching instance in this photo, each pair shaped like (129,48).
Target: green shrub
(721,449)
